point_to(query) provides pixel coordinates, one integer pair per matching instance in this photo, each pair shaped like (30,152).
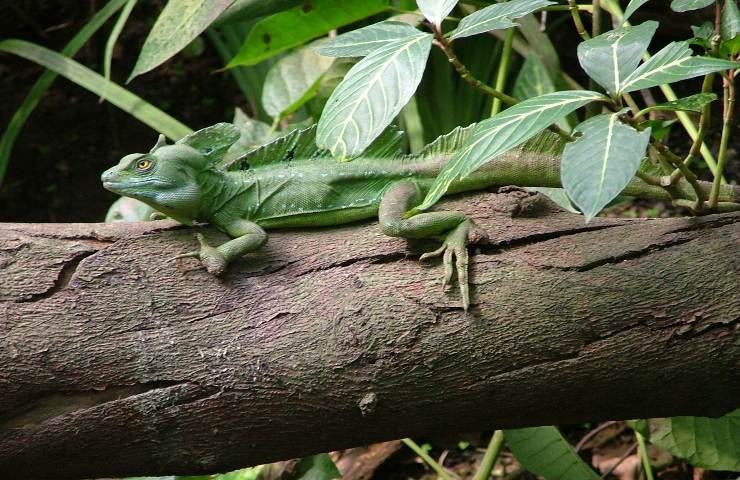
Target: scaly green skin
(186,182)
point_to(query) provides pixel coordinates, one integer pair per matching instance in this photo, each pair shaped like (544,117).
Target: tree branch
(115,361)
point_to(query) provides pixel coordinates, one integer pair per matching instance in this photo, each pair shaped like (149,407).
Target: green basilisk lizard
(289,182)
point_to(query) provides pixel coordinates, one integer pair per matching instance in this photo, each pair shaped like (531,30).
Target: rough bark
(116,360)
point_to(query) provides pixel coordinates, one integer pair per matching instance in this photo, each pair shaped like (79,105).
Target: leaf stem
(429,460)
(644,456)
(565,8)
(503,70)
(703,127)
(729,106)
(489,459)
(463,71)
(575,13)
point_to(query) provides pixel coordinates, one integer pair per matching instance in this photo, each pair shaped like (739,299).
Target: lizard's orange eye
(143,164)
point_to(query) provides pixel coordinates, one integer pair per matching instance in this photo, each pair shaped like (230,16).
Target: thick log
(116,360)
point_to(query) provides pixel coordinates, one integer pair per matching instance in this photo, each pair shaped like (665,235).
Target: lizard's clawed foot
(210,257)
(456,244)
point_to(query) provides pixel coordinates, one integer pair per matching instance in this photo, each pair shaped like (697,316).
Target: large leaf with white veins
(364,41)
(371,95)
(436,10)
(293,80)
(178,24)
(671,64)
(612,56)
(687,5)
(497,17)
(504,131)
(600,163)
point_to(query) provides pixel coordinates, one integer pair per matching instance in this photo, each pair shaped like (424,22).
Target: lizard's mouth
(118,187)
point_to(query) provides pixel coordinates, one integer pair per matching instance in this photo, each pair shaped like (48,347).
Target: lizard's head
(167,178)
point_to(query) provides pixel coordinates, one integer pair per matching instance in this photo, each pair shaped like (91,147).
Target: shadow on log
(116,360)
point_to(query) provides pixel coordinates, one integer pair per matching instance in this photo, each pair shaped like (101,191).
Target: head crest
(161,142)
(212,142)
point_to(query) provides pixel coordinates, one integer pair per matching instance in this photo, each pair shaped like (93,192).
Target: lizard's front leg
(248,237)
(458,230)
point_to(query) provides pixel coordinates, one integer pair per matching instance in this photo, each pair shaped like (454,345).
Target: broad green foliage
(501,133)
(372,94)
(496,17)
(692,103)
(543,451)
(246,10)
(614,55)
(316,467)
(687,5)
(300,24)
(533,79)
(601,162)
(730,28)
(178,24)
(363,41)
(47,78)
(436,10)
(712,443)
(632,8)
(671,64)
(127,209)
(293,80)
(86,78)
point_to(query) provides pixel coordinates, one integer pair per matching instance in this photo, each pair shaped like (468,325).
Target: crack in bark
(633,255)
(494,247)
(49,406)
(63,279)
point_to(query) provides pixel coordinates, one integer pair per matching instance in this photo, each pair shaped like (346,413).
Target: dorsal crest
(212,142)
(300,144)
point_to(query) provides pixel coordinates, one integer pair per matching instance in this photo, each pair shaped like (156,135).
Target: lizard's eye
(144,164)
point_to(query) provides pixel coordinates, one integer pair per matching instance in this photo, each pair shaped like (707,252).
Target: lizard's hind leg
(456,228)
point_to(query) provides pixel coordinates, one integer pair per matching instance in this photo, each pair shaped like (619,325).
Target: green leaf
(178,24)
(246,10)
(659,129)
(316,467)
(504,131)
(632,8)
(436,10)
(298,25)
(292,81)
(686,5)
(127,209)
(693,103)
(46,79)
(86,78)
(543,451)
(533,79)
(371,95)
(496,17)
(600,163)
(711,443)
(253,134)
(612,56)
(558,196)
(113,37)
(672,64)
(364,41)
(730,28)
